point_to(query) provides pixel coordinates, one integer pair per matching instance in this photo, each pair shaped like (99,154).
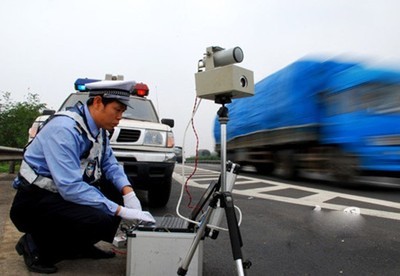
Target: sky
(47,44)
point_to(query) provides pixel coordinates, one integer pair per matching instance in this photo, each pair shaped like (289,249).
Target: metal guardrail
(12,155)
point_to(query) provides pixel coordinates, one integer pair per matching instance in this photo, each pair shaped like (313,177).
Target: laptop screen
(214,186)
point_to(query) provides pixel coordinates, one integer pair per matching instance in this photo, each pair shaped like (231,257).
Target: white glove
(131,201)
(135,214)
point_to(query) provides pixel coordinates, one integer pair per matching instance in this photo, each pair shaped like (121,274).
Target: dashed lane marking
(283,192)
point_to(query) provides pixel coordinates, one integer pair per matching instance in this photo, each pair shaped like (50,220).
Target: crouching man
(71,191)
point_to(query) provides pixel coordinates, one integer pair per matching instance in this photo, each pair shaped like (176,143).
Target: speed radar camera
(217,75)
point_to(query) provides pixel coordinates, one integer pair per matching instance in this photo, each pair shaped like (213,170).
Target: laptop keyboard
(172,222)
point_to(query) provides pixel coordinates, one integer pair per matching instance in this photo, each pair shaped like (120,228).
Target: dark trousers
(59,228)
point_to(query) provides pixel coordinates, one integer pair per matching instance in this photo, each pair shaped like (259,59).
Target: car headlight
(154,138)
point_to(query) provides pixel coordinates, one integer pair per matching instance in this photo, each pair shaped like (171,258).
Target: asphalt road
(280,237)
(283,234)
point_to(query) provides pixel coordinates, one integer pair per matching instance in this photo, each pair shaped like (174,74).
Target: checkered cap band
(110,93)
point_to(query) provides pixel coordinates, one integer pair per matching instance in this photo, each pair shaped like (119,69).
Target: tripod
(225,198)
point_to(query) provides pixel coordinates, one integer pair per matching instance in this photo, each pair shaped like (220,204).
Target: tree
(16,118)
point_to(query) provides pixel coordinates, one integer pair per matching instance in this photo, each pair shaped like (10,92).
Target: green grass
(5,166)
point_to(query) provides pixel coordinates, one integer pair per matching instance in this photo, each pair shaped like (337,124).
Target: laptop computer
(176,224)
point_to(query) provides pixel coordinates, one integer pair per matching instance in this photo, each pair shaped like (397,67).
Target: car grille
(128,135)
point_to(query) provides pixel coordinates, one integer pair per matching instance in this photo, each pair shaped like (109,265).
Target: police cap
(112,89)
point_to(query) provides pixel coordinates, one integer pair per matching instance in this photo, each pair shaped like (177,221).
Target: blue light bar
(80,84)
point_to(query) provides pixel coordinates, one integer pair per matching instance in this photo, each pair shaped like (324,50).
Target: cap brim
(125,102)
(122,99)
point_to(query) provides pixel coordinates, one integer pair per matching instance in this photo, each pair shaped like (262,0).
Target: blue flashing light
(80,84)
(81,87)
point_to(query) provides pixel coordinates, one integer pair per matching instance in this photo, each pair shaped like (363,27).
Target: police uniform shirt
(55,152)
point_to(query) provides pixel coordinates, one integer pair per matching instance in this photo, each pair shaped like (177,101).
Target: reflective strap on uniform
(47,183)
(78,118)
(42,182)
(27,172)
(97,144)
(94,151)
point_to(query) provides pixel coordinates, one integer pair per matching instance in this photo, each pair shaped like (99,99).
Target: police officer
(71,191)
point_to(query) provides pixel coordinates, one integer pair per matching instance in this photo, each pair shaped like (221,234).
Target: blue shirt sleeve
(113,171)
(61,145)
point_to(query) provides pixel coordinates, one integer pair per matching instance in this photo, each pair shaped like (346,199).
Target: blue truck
(339,119)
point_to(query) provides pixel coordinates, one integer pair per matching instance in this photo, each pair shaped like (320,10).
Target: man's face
(107,116)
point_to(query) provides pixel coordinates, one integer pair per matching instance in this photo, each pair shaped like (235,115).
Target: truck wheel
(343,167)
(264,168)
(159,192)
(285,165)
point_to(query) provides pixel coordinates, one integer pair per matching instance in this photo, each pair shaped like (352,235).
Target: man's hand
(131,201)
(135,214)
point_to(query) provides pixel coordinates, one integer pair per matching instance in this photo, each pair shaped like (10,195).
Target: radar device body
(218,76)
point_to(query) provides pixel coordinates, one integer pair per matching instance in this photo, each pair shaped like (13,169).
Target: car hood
(129,123)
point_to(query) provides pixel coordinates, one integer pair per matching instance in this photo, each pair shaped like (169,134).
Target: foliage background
(16,118)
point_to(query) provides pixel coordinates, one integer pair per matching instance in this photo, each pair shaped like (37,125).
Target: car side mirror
(168,122)
(48,112)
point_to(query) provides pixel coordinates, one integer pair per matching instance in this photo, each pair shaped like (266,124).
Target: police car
(38,122)
(142,143)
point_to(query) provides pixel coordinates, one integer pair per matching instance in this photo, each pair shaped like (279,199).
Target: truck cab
(142,143)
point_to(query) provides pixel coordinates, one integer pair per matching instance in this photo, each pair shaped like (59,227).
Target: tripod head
(223,99)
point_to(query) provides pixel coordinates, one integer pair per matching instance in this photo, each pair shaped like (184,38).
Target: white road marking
(319,197)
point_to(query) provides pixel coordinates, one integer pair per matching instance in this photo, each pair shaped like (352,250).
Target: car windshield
(142,110)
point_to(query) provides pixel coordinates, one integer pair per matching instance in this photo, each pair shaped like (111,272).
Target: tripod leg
(216,218)
(199,235)
(234,231)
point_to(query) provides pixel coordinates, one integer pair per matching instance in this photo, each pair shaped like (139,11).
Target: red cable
(196,158)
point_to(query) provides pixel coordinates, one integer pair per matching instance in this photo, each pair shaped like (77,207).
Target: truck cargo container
(340,119)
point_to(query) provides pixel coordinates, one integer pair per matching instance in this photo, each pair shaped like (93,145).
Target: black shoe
(31,258)
(94,252)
